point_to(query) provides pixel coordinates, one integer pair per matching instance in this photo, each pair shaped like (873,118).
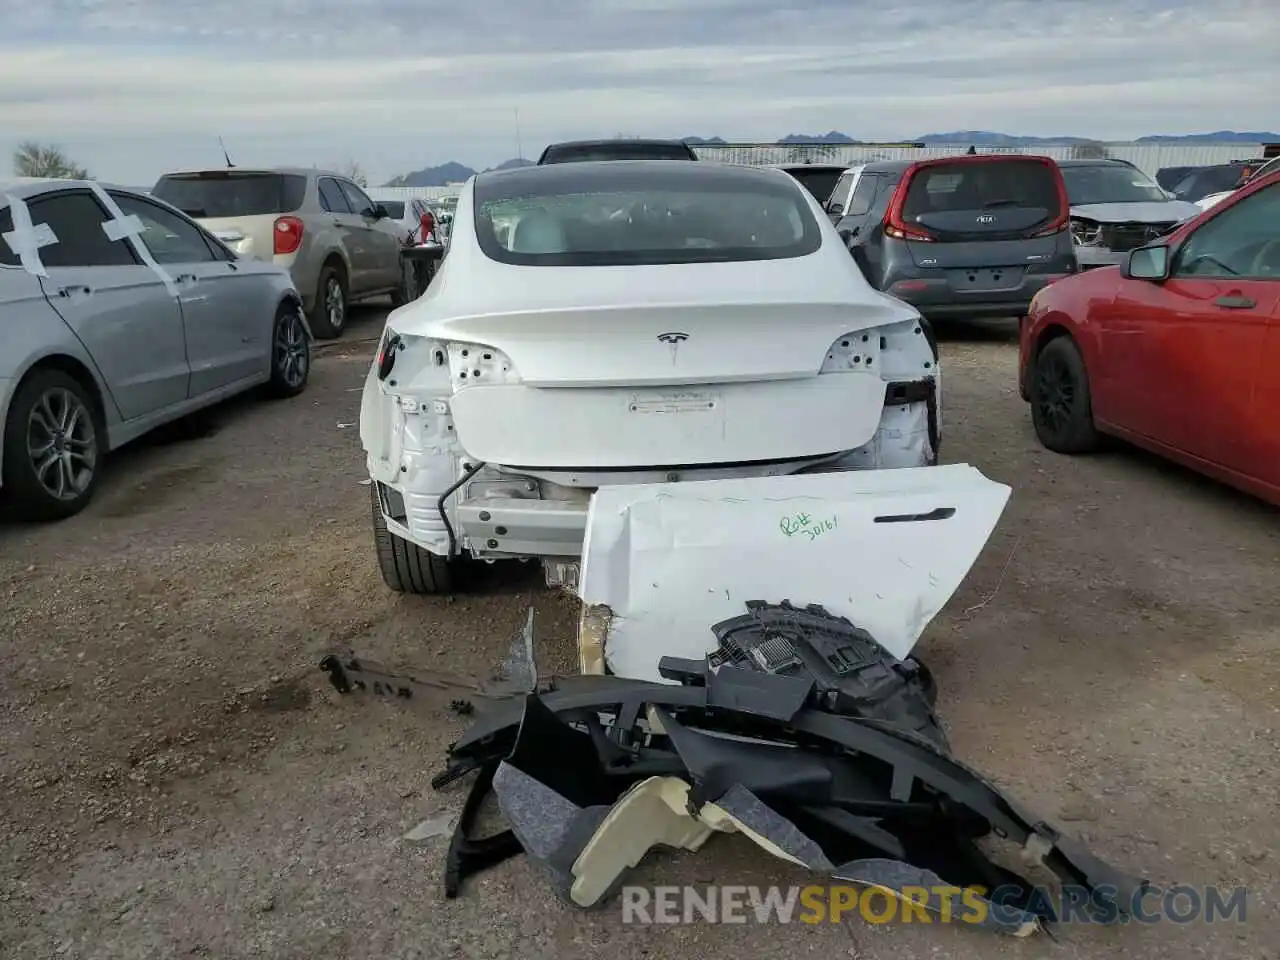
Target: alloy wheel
(291,356)
(1055,393)
(62,444)
(334,304)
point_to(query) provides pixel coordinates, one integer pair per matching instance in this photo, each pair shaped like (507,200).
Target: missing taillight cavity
(387,356)
(287,235)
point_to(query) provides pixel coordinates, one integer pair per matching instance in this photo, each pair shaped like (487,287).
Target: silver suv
(338,245)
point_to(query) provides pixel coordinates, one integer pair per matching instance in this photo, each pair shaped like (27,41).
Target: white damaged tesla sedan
(628,322)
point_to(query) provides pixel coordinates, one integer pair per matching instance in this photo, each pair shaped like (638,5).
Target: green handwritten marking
(791,525)
(802,523)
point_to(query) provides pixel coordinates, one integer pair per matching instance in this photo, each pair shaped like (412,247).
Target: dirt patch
(178,779)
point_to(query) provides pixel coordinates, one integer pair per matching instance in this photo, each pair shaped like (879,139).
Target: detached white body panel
(885,548)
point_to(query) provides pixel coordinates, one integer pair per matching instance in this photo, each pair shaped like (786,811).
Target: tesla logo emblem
(985,218)
(673,340)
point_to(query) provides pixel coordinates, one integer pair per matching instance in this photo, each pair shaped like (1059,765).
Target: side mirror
(377,212)
(833,206)
(1148,263)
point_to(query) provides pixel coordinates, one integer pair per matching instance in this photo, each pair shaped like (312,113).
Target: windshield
(1271,166)
(983,198)
(818,182)
(394,208)
(577,153)
(1110,183)
(611,214)
(228,194)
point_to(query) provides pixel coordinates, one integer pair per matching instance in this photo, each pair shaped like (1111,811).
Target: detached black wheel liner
(1061,404)
(290,352)
(405,566)
(53,448)
(329,314)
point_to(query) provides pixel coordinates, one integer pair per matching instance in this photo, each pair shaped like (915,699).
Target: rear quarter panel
(31,331)
(321,239)
(1064,309)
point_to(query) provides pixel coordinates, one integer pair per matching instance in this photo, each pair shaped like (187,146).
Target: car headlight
(1086,233)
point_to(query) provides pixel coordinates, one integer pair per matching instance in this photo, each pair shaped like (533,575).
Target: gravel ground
(176,779)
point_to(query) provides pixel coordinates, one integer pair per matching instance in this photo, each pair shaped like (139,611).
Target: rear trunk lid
(239,207)
(981,211)
(715,364)
(250,237)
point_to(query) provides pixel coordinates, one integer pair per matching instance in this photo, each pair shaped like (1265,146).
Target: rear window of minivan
(228,193)
(987,198)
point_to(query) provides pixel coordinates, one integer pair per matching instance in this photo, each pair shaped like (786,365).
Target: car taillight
(287,235)
(1063,218)
(894,225)
(387,354)
(1056,225)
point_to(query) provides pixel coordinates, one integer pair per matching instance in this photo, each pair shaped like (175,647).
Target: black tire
(405,566)
(1061,405)
(400,295)
(326,323)
(290,352)
(26,496)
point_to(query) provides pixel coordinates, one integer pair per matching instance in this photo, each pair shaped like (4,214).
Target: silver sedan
(119,314)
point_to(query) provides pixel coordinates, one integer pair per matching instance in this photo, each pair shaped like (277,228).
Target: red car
(1177,351)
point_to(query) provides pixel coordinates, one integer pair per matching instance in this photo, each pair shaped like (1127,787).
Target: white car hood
(885,548)
(1151,211)
(1204,203)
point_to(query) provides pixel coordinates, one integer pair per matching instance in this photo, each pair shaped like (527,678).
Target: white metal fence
(405,193)
(1148,157)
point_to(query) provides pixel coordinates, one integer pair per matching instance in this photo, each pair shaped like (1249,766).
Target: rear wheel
(1061,406)
(290,352)
(405,566)
(52,447)
(329,315)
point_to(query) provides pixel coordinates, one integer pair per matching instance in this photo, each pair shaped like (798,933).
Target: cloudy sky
(131,88)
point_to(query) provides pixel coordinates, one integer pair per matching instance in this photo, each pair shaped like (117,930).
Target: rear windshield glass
(394,208)
(231,194)
(986,185)
(1201,183)
(616,214)
(617,151)
(820,183)
(1110,183)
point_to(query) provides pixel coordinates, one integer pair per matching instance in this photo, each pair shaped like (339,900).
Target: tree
(33,159)
(353,171)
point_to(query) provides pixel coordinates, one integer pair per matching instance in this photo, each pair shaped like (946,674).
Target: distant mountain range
(454,172)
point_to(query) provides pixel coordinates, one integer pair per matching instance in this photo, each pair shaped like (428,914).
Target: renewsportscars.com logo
(814,904)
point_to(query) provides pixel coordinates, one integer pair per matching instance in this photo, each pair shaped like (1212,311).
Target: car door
(379,240)
(861,228)
(226,314)
(120,308)
(348,226)
(1188,354)
(834,204)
